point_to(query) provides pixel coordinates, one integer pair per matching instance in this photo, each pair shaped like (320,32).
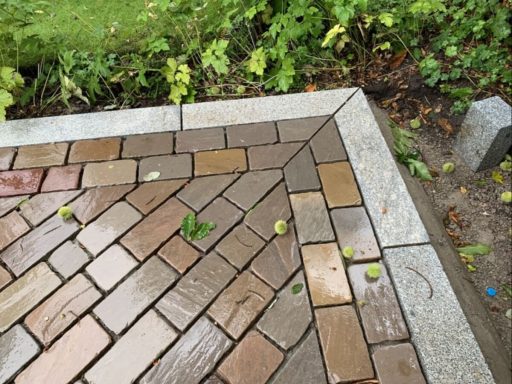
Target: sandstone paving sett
(12,226)
(42,206)
(62,178)
(17,348)
(68,259)
(6,156)
(21,182)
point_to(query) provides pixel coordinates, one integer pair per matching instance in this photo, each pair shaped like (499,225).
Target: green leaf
(386,18)
(471,268)
(450,51)
(257,62)
(508,289)
(497,177)
(202,230)
(332,33)
(475,249)
(6,100)
(296,288)
(419,169)
(188,225)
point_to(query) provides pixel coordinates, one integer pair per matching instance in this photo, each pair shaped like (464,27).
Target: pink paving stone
(6,156)
(61,178)
(8,203)
(12,227)
(14,183)
(5,277)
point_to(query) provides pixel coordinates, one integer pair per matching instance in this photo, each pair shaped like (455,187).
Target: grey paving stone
(17,348)
(202,190)
(200,140)
(8,203)
(6,156)
(385,194)
(300,173)
(148,145)
(169,166)
(68,258)
(174,366)
(240,246)
(289,317)
(5,277)
(42,206)
(397,364)
(252,186)
(326,144)
(451,353)
(271,156)
(251,134)
(312,218)
(299,129)
(148,196)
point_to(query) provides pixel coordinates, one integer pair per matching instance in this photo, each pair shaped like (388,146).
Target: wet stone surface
(16,349)
(14,183)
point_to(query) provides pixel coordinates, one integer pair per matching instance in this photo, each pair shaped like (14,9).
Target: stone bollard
(486,134)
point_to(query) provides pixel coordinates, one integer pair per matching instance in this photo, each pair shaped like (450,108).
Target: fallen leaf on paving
(151,176)
(475,249)
(454,216)
(446,125)
(397,60)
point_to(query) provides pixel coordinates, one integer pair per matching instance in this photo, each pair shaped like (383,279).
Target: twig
(428,282)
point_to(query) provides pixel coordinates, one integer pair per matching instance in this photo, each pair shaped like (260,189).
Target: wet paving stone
(44,205)
(312,219)
(201,347)
(304,365)
(239,305)
(133,352)
(274,207)
(17,348)
(276,263)
(169,166)
(109,173)
(201,191)
(108,227)
(271,156)
(155,229)
(196,290)
(252,361)
(179,254)
(148,145)
(35,245)
(5,277)
(62,309)
(94,150)
(120,308)
(328,283)
(299,129)
(25,293)
(200,140)
(252,186)
(397,364)
(111,266)
(12,227)
(251,134)
(43,155)
(14,183)
(339,185)
(240,246)
(326,144)
(300,173)
(68,356)
(6,156)
(222,161)
(68,259)
(289,317)
(9,203)
(62,178)
(95,201)
(148,196)
(345,351)
(381,315)
(213,380)
(354,229)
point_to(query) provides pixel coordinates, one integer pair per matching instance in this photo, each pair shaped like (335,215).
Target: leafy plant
(11,82)
(178,77)
(192,230)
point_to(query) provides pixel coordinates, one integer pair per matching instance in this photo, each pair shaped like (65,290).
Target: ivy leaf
(202,230)
(386,18)
(257,62)
(296,288)
(188,225)
(475,249)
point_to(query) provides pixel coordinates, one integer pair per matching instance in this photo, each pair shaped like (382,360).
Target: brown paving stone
(200,140)
(62,309)
(252,186)
(111,266)
(213,380)
(17,348)
(252,361)
(311,217)
(25,293)
(271,156)
(8,203)
(44,205)
(6,156)
(108,227)
(224,214)
(327,280)
(62,178)
(222,161)
(339,185)
(68,356)
(299,129)
(354,229)
(202,190)
(95,201)
(207,343)
(121,307)
(68,258)
(274,207)
(240,246)
(109,173)
(343,344)
(169,166)
(276,263)
(94,150)
(179,254)
(148,145)
(133,352)
(42,155)
(148,196)
(381,315)
(155,229)
(300,173)
(5,277)
(182,304)
(289,317)
(239,305)
(14,183)
(397,364)
(12,227)
(251,134)
(35,245)
(326,144)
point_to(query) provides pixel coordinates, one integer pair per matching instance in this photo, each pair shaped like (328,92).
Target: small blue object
(491,292)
